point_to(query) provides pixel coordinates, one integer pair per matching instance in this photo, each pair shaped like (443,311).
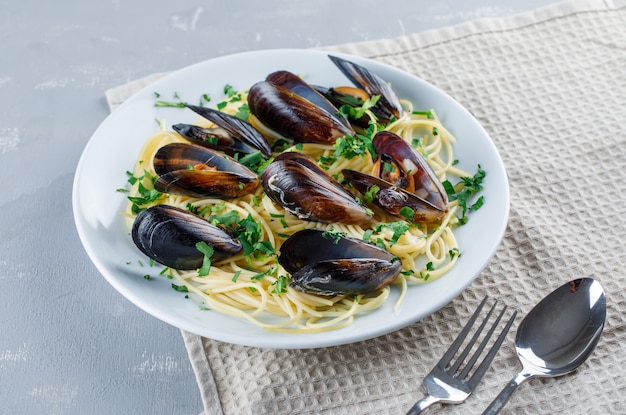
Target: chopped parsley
(371,194)
(407,213)
(208,252)
(247,231)
(280,285)
(350,146)
(334,234)
(355,111)
(454,252)
(398,229)
(146,193)
(180,288)
(255,161)
(463,192)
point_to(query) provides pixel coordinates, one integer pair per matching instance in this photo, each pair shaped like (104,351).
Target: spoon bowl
(557,335)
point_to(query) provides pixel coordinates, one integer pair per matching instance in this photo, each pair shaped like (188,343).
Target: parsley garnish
(208,251)
(426,113)
(407,212)
(454,252)
(464,190)
(280,285)
(350,146)
(147,195)
(334,234)
(398,229)
(180,288)
(371,194)
(356,112)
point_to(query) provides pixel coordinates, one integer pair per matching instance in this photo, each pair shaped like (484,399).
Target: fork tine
(471,343)
(483,343)
(454,347)
(482,368)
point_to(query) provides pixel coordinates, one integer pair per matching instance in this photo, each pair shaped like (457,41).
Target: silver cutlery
(557,335)
(452,383)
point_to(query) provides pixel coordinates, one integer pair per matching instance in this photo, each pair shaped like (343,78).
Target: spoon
(557,335)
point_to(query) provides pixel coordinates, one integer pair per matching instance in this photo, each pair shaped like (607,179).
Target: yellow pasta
(233,286)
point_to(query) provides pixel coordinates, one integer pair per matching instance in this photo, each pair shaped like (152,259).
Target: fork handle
(422,404)
(503,397)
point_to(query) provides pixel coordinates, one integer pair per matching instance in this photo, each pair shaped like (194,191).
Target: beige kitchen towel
(549,87)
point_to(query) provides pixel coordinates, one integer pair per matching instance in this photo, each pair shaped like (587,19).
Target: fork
(449,383)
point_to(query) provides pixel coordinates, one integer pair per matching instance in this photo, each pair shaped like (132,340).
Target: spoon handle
(504,395)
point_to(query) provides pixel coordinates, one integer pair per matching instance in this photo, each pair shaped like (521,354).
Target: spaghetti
(254,288)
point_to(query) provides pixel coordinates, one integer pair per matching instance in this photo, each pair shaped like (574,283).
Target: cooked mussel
(329,265)
(403,179)
(293,117)
(350,96)
(388,106)
(169,236)
(393,199)
(402,165)
(230,134)
(296,183)
(298,86)
(196,171)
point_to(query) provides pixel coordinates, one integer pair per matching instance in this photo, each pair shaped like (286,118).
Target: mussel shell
(347,95)
(236,127)
(392,199)
(323,265)
(388,106)
(310,246)
(169,236)
(292,116)
(214,137)
(296,183)
(228,178)
(410,161)
(298,86)
(345,276)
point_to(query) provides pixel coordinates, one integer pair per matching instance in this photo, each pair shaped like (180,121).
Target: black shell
(388,106)
(169,235)
(392,198)
(196,171)
(292,116)
(325,265)
(295,182)
(351,96)
(214,137)
(296,85)
(247,138)
(412,167)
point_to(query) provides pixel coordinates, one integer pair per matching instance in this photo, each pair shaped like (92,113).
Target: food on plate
(298,206)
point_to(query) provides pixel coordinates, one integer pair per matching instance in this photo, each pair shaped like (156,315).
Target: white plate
(113,148)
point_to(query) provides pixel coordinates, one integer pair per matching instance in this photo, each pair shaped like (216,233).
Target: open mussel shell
(214,137)
(392,199)
(388,106)
(294,117)
(231,131)
(409,171)
(327,265)
(298,86)
(296,183)
(169,235)
(347,95)
(196,171)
